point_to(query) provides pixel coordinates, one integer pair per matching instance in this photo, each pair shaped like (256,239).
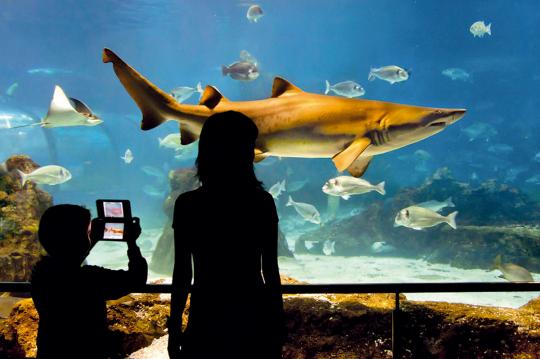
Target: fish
(306,210)
(66,112)
(533,180)
(12,88)
(329,247)
(295,123)
(512,173)
(153,191)
(382,247)
(346,186)
(536,157)
(276,189)
(346,88)
(127,157)
(296,185)
(512,272)
(436,205)
(172,141)
(182,93)
(500,149)
(241,70)
(479,29)
(48,71)
(479,130)
(247,57)
(51,175)
(152,171)
(390,74)
(254,13)
(186,152)
(418,218)
(455,73)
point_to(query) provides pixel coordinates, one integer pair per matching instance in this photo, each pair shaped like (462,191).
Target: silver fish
(512,272)
(329,247)
(50,175)
(346,88)
(390,74)
(418,218)
(456,73)
(127,157)
(276,189)
(306,210)
(479,29)
(254,13)
(241,70)
(48,71)
(346,186)
(382,247)
(436,205)
(172,141)
(182,93)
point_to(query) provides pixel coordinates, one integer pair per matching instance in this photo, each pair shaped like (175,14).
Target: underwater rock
(20,210)
(493,219)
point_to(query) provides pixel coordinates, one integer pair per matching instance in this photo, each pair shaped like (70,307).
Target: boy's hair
(63,229)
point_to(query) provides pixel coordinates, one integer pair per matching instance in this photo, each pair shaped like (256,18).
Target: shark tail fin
(449,202)
(154,103)
(327,88)
(290,201)
(24,177)
(380,188)
(371,76)
(451,219)
(199,88)
(488,29)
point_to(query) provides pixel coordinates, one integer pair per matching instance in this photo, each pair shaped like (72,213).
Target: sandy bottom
(337,269)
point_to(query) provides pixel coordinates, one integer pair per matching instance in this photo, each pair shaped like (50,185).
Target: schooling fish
(172,141)
(390,74)
(436,205)
(346,89)
(127,157)
(479,29)
(254,13)
(456,73)
(241,70)
(276,189)
(182,93)
(346,186)
(512,272)
(306,210)
(50,175)
(382,247)
(418,218)
(294,123)
(329,247)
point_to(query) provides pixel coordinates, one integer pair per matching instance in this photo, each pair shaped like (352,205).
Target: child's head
(64,232)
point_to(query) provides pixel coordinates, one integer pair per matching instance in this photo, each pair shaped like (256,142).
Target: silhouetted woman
(229,228)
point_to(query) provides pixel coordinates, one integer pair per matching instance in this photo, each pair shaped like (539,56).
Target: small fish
(254,13)
(182,93)
(382,247)
(154,191)
(247,57)
(500,149)
(390,74)
(127,157)
(456,73)
(241,70)
(479,130)
(306,210)
(296,185)
(479,29)
(329,247)
(12,88)
(50,175)
(152,171)
(512,272)
(436,205)
(418,218)
(346,186)
(533,180)
(172,141)
(346,88)
(48,71)
(276,189)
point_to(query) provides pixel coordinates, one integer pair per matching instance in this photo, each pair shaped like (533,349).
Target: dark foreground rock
(20,210)
(493,219)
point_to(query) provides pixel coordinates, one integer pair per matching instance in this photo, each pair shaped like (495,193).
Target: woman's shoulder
(189,195)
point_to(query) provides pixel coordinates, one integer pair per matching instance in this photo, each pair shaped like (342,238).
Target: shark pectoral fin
(346,157)
(359,166)
(187,137)
(259,155)
(282,87)
(211,97)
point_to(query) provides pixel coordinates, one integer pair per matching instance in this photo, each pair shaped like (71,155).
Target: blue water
(178,43)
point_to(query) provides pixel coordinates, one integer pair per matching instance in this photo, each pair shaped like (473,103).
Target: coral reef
(184,180)
(20,210)
(493,219)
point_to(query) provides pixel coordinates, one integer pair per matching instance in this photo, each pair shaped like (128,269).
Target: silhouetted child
(70,297)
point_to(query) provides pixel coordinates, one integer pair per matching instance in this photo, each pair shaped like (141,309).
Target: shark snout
(443,118)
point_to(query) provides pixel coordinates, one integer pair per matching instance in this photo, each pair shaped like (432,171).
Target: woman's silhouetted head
(227,150)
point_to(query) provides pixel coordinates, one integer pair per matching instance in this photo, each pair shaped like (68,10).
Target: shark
(293,122)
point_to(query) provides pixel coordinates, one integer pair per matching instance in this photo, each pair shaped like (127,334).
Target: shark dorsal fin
(282,87)
(211,97)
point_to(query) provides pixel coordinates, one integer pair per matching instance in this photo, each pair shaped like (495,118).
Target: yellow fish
(294,123)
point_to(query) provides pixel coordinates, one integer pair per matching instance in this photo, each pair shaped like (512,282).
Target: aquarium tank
(399,139)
